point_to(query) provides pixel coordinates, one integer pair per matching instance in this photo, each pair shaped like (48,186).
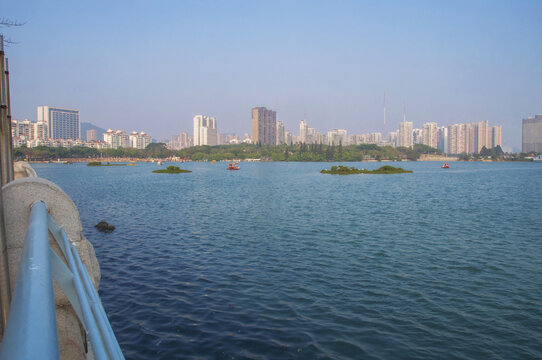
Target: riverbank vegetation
(171,170)
(296,152)
(346,170)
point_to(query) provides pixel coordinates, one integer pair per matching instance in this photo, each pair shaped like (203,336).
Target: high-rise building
(21,129)
(459,136)
(139,140)
(453,139)
(308,135)
(481,136)
(303,131)
(288,137)
(430,134)
(469,138)
(417,136)
(394,138)
(312,136)
(280,133)
(186,140)
(205,130)
(442,142)
(28,131)
(92,135)
(264,126)
(39,131)
(116,139)
(320,138)
(495,133)
(61,123)
(337,137)
(532,134)
(180,141)
(404,136)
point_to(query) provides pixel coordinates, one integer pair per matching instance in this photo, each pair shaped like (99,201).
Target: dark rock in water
(104,227)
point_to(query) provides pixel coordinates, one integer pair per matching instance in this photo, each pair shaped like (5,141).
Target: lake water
(278,261)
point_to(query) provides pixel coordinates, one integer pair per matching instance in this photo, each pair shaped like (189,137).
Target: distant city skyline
(455,139)
(141,66)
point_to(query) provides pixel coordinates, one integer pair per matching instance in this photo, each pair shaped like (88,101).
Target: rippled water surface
(278,261)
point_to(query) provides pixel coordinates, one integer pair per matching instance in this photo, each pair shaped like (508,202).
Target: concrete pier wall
(18,195)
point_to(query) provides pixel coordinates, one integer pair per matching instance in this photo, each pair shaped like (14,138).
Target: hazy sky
(153,65)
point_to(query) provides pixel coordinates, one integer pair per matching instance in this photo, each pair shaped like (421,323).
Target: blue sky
(153,65)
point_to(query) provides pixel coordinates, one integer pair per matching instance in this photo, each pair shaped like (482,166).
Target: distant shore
(138,160)
(299,152)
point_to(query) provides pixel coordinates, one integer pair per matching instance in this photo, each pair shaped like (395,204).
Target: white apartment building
(417,136)
(393,138)
(404,135)
(205,130)
(116,139)
(430,134)
(468,139)
(459,139)
(303,131)
(288,137)
(21,129)
(98,145)
(139,140)
(180,141)
(496,136)
(337,136)
(28,131)
(372,138)
(309,135)
(481,136)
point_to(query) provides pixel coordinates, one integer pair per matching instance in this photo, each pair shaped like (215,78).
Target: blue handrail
(31,328)
(24,336)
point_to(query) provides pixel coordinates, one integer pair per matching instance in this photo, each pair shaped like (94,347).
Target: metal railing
(31,331)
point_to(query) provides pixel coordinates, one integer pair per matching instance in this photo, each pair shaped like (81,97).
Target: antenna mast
(384,114)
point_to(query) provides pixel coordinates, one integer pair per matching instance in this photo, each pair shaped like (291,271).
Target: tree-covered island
(346,170)
(99,163)
(171,170)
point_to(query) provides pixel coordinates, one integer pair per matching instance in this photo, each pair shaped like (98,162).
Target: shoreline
(139,160)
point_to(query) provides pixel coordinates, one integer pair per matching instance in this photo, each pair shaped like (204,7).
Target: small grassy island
(172,170)
(99,163)
(345,170)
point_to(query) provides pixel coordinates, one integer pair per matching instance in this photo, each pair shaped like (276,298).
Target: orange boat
(232,166)
(445,166)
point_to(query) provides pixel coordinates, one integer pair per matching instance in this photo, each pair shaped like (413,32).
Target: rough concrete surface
(22,169)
